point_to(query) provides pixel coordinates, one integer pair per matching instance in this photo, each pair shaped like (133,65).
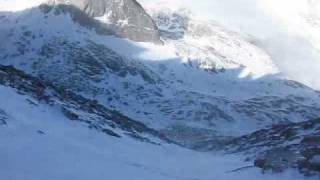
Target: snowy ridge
(210,46)
(287,29)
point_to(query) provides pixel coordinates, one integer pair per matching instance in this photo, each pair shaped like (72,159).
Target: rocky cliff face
(124,18)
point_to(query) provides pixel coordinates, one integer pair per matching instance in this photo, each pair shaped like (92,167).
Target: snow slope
(40,143)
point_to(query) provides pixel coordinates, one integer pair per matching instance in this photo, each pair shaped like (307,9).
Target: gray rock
(69,114)
(283,146)
(124,18)
(3,117)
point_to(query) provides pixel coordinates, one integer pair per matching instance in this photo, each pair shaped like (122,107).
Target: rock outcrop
(123,18)
(292,145)
(3,117)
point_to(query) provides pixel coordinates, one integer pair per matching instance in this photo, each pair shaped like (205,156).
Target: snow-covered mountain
(287,30)
(165,78)
(49,133)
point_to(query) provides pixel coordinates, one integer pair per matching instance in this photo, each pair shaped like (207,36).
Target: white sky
(17,5)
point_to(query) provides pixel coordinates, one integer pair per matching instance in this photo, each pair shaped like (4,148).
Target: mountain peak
(124,18)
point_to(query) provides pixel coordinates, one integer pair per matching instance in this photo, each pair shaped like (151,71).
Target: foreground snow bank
(40,143)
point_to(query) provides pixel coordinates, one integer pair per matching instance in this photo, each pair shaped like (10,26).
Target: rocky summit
(124,18)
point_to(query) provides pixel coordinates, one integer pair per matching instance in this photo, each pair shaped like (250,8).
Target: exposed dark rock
(3,117)
(41,132)
(277,160)
(291,145)
(69,114)
(260,163)
(124,18)
(110,132)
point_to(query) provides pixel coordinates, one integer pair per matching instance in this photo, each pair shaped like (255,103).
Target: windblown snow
(288,30)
